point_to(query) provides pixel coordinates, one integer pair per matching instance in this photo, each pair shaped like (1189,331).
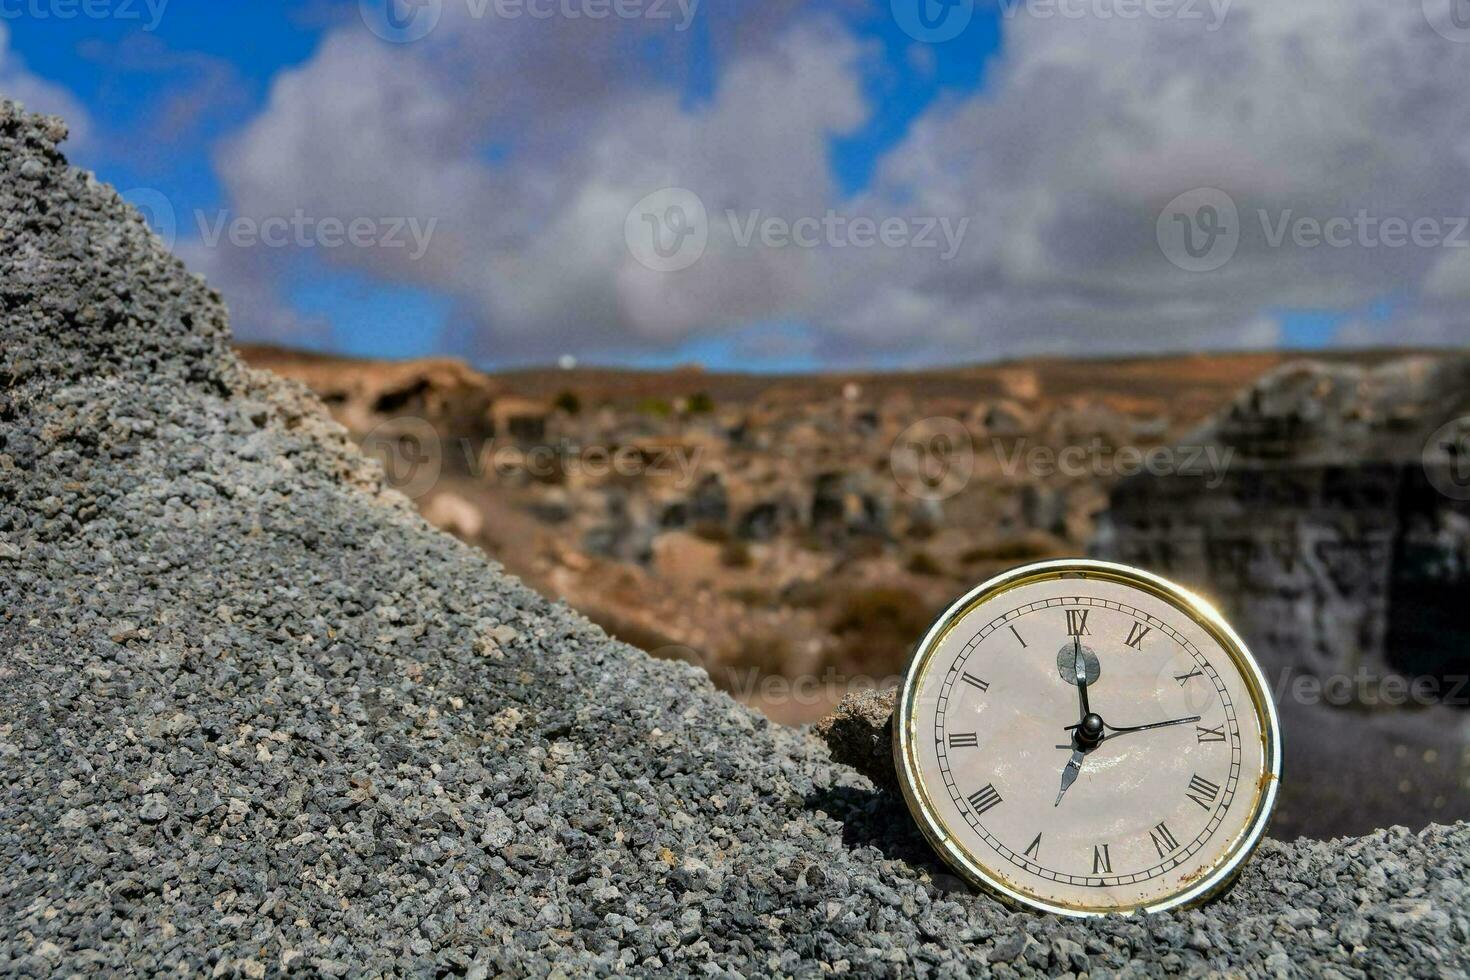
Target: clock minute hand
(1087,734)
(1112,731)
(1157,724)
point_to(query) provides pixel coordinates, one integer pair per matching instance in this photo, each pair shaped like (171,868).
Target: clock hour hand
(1069,774)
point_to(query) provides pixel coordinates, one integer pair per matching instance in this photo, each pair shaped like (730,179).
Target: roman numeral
(975,682)
(1202,791)
(1102,861)
(1033,850)
(1164,841)
(962,740)
(1077,622)
(1183,679)
(1018,637)
(984,799)
(1136,633)
(1210,734)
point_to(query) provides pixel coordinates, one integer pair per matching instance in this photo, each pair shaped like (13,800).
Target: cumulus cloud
(1311,110)
(528,142)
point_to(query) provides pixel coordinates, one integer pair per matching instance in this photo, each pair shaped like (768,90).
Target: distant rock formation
(1337,537)
(365,395)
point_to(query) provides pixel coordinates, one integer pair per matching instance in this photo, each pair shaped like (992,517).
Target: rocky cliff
(1338,540)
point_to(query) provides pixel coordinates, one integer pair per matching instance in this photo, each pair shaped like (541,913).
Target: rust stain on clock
(1195,875)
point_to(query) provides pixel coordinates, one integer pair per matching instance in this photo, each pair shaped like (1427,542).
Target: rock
(154,808)
(1004,419)
(859,733)
(379,395)
(451,512)
(387,829)
(1008,949)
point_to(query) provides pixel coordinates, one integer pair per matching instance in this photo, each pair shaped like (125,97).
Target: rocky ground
(256,716)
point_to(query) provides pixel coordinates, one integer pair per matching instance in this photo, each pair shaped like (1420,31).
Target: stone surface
(257,717)
(859,733)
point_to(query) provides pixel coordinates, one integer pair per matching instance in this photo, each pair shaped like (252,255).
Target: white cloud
(1314,108)
(1086,129)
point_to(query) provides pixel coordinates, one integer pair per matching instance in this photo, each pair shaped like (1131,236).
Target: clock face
(1084,738)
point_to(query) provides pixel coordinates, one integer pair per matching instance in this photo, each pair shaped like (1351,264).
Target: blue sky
(125,73)
(1061,256)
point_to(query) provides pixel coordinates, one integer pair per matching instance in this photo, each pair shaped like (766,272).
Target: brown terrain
(792,534)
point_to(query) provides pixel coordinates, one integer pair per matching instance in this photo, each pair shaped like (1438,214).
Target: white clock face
(1158,795)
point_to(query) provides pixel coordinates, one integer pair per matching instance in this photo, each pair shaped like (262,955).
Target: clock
(1081,737)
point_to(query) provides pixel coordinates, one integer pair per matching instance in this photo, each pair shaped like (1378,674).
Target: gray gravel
(257,716)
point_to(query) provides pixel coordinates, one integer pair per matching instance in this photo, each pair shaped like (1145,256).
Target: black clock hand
(1087,734)
(1079,666)
(1158,724)
(1069,773)
(1088,731)
(1113,732)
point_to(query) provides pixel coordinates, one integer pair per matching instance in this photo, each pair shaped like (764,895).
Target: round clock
(1082,737)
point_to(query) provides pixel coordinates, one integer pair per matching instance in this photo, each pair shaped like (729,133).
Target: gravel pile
(256,716)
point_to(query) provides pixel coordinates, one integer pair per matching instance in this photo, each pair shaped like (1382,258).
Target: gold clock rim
(916,793)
